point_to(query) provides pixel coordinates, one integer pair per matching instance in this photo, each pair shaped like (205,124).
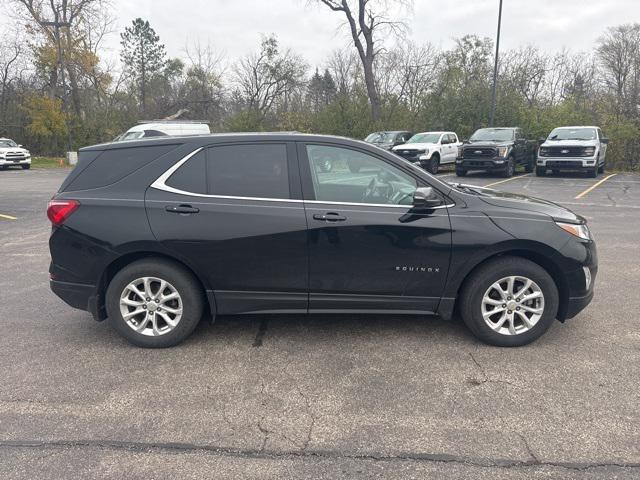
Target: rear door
(368,248)
(234,212)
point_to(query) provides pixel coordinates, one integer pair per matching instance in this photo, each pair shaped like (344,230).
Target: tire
(592,172)
(601,168)
(191,302)
(541,172)
(26,167)
(481,282)
(354,168)
(510,168)
(530,165)
(460,172)
(434,164)
(3,167)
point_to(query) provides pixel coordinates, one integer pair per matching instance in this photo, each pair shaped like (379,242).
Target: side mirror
(19,146)
(425,198)
(465,140)
(604,140)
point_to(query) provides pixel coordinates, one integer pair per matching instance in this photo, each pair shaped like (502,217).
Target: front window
(573,134)
(7,143)
(350,176)
(380,137)
(425,138)
(492,135)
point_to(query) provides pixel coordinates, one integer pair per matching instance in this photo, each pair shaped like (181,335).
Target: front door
(368,248)
(234,213)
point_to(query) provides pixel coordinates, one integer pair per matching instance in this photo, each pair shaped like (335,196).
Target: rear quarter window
(114,164)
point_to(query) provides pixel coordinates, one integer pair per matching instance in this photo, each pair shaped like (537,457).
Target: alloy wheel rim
(151,306)
(512,305)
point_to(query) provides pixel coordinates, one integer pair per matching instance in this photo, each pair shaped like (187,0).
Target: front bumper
(482,163)
(8,162)
(576,304)
(573,163)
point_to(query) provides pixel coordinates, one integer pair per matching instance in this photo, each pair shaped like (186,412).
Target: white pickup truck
(573,148)
(429,150)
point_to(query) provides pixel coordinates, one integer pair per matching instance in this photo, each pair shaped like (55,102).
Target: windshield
(425,138)
(493,134)
(5,142)
(380,137)
(131,135)
(573,134)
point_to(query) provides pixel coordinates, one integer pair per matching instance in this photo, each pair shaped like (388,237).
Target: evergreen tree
(143,55)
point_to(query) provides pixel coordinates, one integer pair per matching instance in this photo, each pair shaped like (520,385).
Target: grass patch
(48,162)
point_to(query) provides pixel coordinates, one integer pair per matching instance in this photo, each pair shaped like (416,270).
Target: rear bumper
(78,295)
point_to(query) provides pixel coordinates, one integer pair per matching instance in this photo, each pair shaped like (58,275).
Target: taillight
(59,210)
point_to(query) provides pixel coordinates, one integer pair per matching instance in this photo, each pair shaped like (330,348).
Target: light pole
(495,69)
(56,25)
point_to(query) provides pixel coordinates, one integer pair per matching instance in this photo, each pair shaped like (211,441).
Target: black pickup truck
(496,150)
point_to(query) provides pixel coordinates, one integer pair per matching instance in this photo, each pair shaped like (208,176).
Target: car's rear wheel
(509,302)
(154,303)
(530,165)
(460,172)
(434,164)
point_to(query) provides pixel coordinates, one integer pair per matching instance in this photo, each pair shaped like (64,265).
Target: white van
(161,128)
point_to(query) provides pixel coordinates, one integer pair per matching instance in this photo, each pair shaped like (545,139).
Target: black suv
(388,140)
(157,233)
(498,150)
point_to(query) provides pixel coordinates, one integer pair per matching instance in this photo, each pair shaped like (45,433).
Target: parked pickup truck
(573,148)
(496,150)
(429,150)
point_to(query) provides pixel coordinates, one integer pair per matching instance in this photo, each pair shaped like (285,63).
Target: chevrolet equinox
(155,234)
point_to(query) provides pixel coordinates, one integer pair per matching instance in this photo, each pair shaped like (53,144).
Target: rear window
(249,170)
(115,164)
(190,177)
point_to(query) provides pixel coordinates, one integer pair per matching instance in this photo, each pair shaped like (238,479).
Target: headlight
(544,151)
(502,151)
(580,231)
(589,152)
(460,152)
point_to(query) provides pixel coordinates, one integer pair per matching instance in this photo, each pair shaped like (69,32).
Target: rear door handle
(181,209)
(329,217)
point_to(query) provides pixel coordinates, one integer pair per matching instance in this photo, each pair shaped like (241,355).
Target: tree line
(57,91)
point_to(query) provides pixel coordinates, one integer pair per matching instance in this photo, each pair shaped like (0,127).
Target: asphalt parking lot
(321,396)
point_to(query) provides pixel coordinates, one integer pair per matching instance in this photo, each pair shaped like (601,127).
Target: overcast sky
(233,27)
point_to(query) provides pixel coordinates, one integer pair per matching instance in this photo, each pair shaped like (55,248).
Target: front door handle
(181,209)
(329,217)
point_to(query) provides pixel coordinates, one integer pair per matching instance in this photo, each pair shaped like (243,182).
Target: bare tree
(268,77)
(367,20)
(58,21)
(619,52)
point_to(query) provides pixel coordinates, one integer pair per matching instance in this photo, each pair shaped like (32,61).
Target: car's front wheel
(434,164)
(509,302)
(460,172)
(154,303)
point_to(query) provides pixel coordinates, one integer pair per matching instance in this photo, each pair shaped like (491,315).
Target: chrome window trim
(160,184)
